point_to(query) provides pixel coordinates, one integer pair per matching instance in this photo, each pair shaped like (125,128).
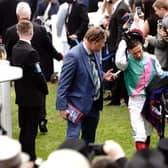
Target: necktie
(67,15)
(95,76)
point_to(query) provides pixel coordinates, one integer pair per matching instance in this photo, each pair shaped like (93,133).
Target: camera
(159,24)
(165,30)
(95,149)
(128,20)
(138,10)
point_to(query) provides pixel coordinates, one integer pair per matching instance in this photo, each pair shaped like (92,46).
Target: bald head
(23,11)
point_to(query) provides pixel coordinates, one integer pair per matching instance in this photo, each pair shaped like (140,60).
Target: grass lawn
(114,124)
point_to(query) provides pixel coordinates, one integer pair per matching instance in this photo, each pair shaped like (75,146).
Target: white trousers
(141,127)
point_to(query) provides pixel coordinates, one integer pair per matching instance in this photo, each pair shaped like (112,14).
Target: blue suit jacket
(76,85)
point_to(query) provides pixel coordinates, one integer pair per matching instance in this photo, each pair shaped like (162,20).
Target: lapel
(86,62)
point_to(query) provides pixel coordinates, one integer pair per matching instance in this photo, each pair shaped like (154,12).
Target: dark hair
(148,9)
(133,38)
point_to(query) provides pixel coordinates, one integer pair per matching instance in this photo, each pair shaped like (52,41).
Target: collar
(86,49)
(27,41)
(166,15)
(116,5)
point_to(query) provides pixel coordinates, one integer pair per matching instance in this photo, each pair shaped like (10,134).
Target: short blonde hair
(3,54)
(161,4)
(24,27)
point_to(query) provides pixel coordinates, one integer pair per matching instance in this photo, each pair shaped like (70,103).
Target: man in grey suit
(80,86)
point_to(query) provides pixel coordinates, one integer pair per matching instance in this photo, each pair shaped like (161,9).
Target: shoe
(107,98)
(112,103)
(123,104)
(43,126)
(38,162)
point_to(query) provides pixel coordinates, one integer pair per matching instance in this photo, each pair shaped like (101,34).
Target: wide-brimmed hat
(10,153)
(66,158)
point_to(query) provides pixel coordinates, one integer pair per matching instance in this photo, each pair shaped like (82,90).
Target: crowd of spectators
(75,153)
(119,50)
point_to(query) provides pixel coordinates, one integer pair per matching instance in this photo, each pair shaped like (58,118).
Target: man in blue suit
(80,85)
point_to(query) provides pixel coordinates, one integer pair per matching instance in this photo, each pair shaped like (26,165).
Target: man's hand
(108,75)
(73,36)
(64,114)
(113,149)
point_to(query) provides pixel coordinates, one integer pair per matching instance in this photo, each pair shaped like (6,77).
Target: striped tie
(95,76)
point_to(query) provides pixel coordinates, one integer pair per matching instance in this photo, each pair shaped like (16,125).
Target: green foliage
(114,124)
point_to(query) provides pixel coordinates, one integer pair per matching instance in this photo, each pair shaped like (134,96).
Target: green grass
(114,124)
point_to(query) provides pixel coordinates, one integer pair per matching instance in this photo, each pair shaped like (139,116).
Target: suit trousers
(43,111)
(87,125)
(28,123)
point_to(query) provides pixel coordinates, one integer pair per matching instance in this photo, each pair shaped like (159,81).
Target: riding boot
(140,145)
(147,142)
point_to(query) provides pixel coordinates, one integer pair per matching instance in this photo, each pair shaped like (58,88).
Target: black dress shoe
(107,98)
(112,103)
(43,126)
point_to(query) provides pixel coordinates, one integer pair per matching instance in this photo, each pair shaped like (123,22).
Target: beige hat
(10,153)
(66,158)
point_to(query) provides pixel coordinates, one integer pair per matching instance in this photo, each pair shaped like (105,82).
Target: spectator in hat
(139,69)
(66,158)
(111,152)
(11,155)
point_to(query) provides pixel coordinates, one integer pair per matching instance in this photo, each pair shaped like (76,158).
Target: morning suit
(116,33)
(76,86)
(77,22)
(41,42)
(30,91)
